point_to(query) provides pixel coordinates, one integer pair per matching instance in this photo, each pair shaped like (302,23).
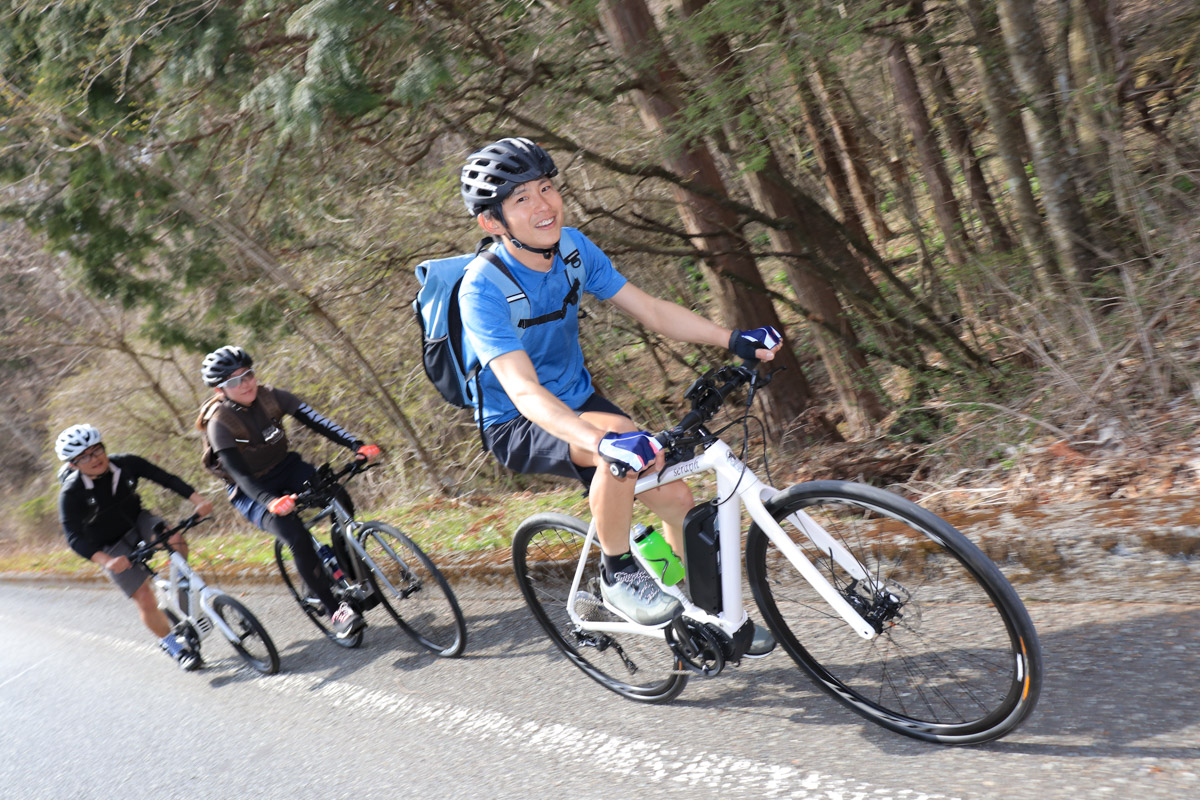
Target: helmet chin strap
(547,253)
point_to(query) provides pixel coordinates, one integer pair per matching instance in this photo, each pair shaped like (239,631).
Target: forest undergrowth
(1027,386)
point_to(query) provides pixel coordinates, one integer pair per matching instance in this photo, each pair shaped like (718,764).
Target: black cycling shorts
(521,446)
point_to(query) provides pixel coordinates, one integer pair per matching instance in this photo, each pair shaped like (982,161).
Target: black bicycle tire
(268,666)
(421,635)
(1015,669)
(665,691)
(353,640)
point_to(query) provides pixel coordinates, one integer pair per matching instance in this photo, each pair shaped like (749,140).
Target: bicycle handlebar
(143,551)
(322,485)
(707,397)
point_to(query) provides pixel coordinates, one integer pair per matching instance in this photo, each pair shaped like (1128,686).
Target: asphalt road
(91,709)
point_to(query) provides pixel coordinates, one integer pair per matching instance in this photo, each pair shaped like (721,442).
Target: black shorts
(522,446)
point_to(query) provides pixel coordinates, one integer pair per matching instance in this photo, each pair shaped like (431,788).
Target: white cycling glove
(745,344)
(633,450)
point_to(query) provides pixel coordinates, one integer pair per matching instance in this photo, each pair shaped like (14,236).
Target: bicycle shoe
(189,660)
(347,621)
(634,595)
(762,643)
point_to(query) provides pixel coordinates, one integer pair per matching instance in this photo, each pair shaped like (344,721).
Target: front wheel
(546,551)
(956,659)
(413,590)
(251,640)
(307,600)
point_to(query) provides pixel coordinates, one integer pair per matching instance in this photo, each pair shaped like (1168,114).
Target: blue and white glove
(745,344)
(629,450)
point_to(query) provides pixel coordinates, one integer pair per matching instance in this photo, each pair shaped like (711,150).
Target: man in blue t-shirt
(541,412)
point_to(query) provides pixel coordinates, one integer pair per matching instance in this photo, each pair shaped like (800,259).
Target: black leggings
(289,530)
(288,478)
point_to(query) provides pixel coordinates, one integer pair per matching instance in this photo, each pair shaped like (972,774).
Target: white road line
(28,669)
(652,762)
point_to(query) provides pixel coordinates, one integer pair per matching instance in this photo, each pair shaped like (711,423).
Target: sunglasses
(91,454)
(236,380)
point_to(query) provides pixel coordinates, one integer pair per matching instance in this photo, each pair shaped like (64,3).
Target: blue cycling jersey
(553,347)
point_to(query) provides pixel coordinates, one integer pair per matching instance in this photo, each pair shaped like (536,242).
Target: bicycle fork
(381,575)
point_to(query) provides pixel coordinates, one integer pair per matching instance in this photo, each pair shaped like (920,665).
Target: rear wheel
(251,640)
(413,590)
(546,552)
(956,659)
(307,601)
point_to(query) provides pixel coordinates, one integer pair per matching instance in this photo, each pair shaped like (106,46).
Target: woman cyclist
(244,425)
(104,521)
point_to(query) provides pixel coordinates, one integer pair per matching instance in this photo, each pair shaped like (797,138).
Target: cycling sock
(172,644)
(614,564)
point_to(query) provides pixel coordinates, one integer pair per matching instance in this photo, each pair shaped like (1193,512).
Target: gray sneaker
(762,643)
(635,596)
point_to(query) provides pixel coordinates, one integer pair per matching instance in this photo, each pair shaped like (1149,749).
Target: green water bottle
(660,559)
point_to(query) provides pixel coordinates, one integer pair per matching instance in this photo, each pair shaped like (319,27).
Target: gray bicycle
(372,564)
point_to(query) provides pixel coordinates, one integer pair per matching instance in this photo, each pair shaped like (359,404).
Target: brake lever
(764,379)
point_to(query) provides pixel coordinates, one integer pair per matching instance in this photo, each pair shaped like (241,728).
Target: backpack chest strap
(519,307)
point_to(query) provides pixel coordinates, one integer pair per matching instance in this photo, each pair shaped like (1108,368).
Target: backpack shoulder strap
(266,396)
(492,267)
(568,248)
(215,406)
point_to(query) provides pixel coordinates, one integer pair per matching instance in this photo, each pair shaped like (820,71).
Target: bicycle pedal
(314,605)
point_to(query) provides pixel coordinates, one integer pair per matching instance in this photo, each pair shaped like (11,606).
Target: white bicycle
(890,609)
(196,609)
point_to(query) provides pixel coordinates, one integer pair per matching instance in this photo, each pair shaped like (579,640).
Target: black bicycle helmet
(223,362)
(491,173)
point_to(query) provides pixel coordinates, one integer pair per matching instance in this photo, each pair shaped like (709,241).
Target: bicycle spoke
(546,552)
(412,590)
(951,661)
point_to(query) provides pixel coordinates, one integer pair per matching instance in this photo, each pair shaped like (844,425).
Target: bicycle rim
(309,604)
(546,552)
(957,660)
(253,643)
(413,590)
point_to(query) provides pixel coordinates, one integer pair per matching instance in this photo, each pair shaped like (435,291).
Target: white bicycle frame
(200,596)
(734,478)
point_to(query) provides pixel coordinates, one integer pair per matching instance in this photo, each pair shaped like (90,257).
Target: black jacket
(94,517)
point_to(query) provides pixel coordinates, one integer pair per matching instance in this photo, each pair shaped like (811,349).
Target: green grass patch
(438,524)
(476,522)
(47,562)
(245,547)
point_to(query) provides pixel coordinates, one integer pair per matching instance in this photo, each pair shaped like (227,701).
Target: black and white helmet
(491,173)
(74,440)
(223,362)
